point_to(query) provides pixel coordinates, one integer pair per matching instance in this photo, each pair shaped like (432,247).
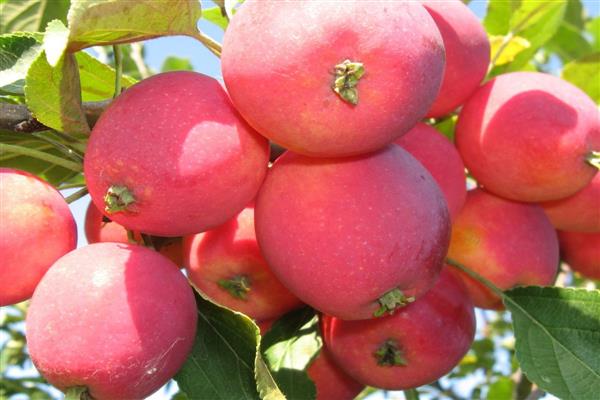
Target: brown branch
(17,118)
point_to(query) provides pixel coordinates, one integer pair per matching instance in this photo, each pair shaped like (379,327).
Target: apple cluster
(358,218)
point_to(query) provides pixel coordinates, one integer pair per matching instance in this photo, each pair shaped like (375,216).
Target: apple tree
(378,197)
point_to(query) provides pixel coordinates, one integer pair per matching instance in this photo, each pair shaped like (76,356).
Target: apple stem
(347,75)
(391,301)
(118,198)
(77,393)
(594,159)
(238,286)
(389,354)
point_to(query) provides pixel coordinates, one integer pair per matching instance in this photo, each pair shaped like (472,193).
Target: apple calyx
(238,286)
(389,354)
(594,159)
(118,198)
(77,393)
(391,301)
(347,75)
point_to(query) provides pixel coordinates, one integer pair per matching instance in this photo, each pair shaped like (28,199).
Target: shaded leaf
(593,29)
(447,126)
(288,347)
(53,94)
(17,52)
(558,338)
(97,79)
(31,15)
(50,172)
(102,22)
(222,362)
(585,74)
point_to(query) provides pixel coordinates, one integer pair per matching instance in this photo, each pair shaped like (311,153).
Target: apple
(171,156)
(115,318)
(226,264)
(353,237)
(527,136)
(333,78)
(507,242)
(416,346)
(37,229)
(467,53)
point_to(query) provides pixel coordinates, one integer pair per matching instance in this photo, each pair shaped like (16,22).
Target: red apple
(118,319)
(171,156)
(37,229)
(580,212)
(353,237)
(582,252)
(333,78)
(330,381)
(506,242)
(526,136)
(442,160)
(100,228)
(226,264)
(467,53)
(415,346)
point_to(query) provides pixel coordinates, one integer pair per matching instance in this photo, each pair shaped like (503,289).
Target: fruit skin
(578,213)
(37,229)
(283,85)
(330,381)
(99,228)
(178,144)
(119,319)
(525,136)
(582,252)
(467,53)
(506,242)
(442,160)
(432,335)
(231,251)
(340,233)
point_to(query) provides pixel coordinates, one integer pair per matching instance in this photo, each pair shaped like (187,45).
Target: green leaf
(557,335)
(17,52)
(176,64)
(533,21)
(97,79)
(575,14)
(103,22)
(56,38)
(31,15)
(288,347)
(47,170)
(215,16)
(53,94)
(502,388)
(585,74)
(222,362)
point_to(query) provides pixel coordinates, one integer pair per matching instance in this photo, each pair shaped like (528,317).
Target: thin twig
(118,69)
(77,195)
(40,155)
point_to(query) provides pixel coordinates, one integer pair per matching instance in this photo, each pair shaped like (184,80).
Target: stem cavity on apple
(347,75)
(238,286)
(118,198)
(392,300)
(389,354)
(594,159)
